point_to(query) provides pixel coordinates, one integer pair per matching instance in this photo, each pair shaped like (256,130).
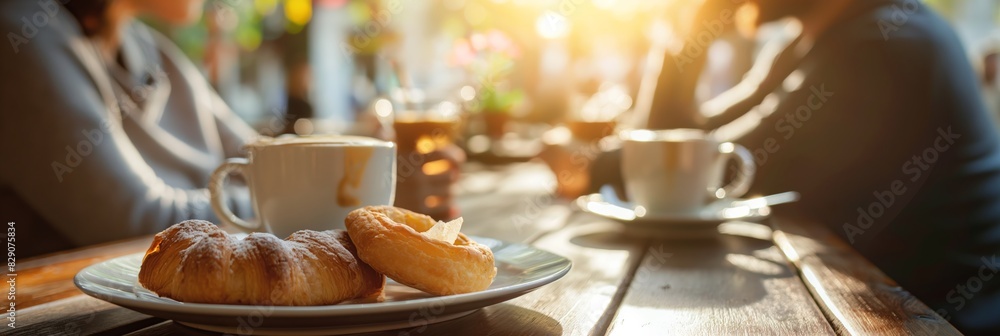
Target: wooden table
(786,277)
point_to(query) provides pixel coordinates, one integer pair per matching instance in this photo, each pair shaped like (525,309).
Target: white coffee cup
(308,183)
(681,171)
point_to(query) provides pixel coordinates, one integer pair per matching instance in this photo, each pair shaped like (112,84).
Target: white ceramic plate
(520,269)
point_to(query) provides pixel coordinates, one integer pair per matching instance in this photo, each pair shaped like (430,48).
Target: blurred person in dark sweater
(872,112)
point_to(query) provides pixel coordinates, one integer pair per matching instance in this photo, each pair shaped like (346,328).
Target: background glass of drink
(425,132)
(591,131)
(570,149)
(595,117)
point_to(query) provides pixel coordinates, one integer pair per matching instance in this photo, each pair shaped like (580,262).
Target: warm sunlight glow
(383,108)
(479,143)
(468,93)
(425,145)
(558,135)
(736,212)
(828,301)
(303,127)
(432,201)
(605,4)
(785,246)
(611,210)
(552,25)
(436,167)
(752,230)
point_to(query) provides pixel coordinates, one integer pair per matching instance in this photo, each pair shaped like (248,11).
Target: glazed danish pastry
(390,240)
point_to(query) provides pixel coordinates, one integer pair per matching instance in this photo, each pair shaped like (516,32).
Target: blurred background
(512,69)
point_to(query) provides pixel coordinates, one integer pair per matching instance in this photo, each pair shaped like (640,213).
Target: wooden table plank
(732,283)
(49,278)
(603,261)
(79,315)
(514,204)
(856,297)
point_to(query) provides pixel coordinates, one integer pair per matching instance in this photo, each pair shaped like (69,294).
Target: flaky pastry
(390,240)
(196,261)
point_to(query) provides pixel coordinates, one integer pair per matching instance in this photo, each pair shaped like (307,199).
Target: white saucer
(607,205)
(520,269)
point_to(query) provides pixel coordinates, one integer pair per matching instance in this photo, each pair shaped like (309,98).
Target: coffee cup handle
(215,188)
(741,182)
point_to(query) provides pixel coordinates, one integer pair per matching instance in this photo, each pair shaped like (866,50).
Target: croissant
(196,261)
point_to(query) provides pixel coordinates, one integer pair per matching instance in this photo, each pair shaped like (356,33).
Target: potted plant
(496,106)
(490,57)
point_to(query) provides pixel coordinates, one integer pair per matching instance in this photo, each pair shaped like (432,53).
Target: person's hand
(424,181)
(697,24)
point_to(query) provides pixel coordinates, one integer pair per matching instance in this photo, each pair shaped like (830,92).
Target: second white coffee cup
(681,171)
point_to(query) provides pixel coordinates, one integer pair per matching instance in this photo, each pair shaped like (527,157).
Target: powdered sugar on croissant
(196,261)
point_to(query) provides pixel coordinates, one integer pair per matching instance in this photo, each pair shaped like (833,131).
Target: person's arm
(674,104)
(675,94)
(68,157)
(699,24)
(233,131)
(847,131)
